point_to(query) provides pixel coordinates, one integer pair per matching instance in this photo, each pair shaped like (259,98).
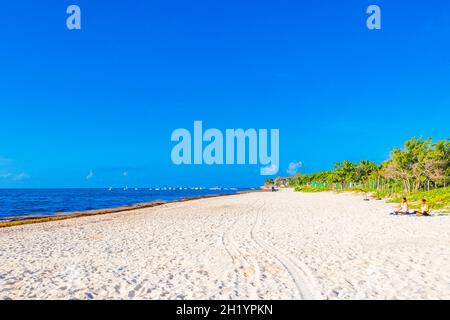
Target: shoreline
(24,220)
(256,246)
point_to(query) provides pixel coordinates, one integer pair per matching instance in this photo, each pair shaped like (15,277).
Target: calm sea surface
(23,202)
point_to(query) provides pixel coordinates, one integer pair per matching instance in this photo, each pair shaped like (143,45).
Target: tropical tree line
(420,165)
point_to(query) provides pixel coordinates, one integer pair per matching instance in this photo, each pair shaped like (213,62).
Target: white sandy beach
(282,245)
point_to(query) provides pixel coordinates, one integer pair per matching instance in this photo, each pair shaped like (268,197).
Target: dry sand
(282,245)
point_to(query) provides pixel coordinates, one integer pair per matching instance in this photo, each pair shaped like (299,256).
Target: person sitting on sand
(424,209)
(404,208)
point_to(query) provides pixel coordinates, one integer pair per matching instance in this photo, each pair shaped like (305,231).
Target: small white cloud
(21,176)
(90,175)
(15,177)
(125,173)
(269,170)
(293,167)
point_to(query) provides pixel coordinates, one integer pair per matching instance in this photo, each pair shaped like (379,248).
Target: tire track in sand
(243,261)
(303,280)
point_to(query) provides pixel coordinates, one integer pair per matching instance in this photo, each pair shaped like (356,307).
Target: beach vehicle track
(299,273)
(241,258)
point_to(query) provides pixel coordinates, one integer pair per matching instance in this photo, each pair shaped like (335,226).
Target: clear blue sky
(107,98)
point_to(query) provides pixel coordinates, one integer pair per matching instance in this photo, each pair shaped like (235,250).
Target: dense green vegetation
(438,198)
(421,169)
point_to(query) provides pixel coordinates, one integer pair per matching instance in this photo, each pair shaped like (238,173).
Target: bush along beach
(421,169)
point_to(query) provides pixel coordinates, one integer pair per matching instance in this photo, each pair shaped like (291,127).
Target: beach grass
(438,199)
(306,188)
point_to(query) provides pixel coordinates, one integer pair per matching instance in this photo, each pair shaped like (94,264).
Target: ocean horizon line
(130,188)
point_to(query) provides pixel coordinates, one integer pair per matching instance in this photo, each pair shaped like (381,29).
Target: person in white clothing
(404,207)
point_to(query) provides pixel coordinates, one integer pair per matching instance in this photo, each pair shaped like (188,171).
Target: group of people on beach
(404,208)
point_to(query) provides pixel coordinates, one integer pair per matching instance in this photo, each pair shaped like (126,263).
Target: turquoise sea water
(31,202)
